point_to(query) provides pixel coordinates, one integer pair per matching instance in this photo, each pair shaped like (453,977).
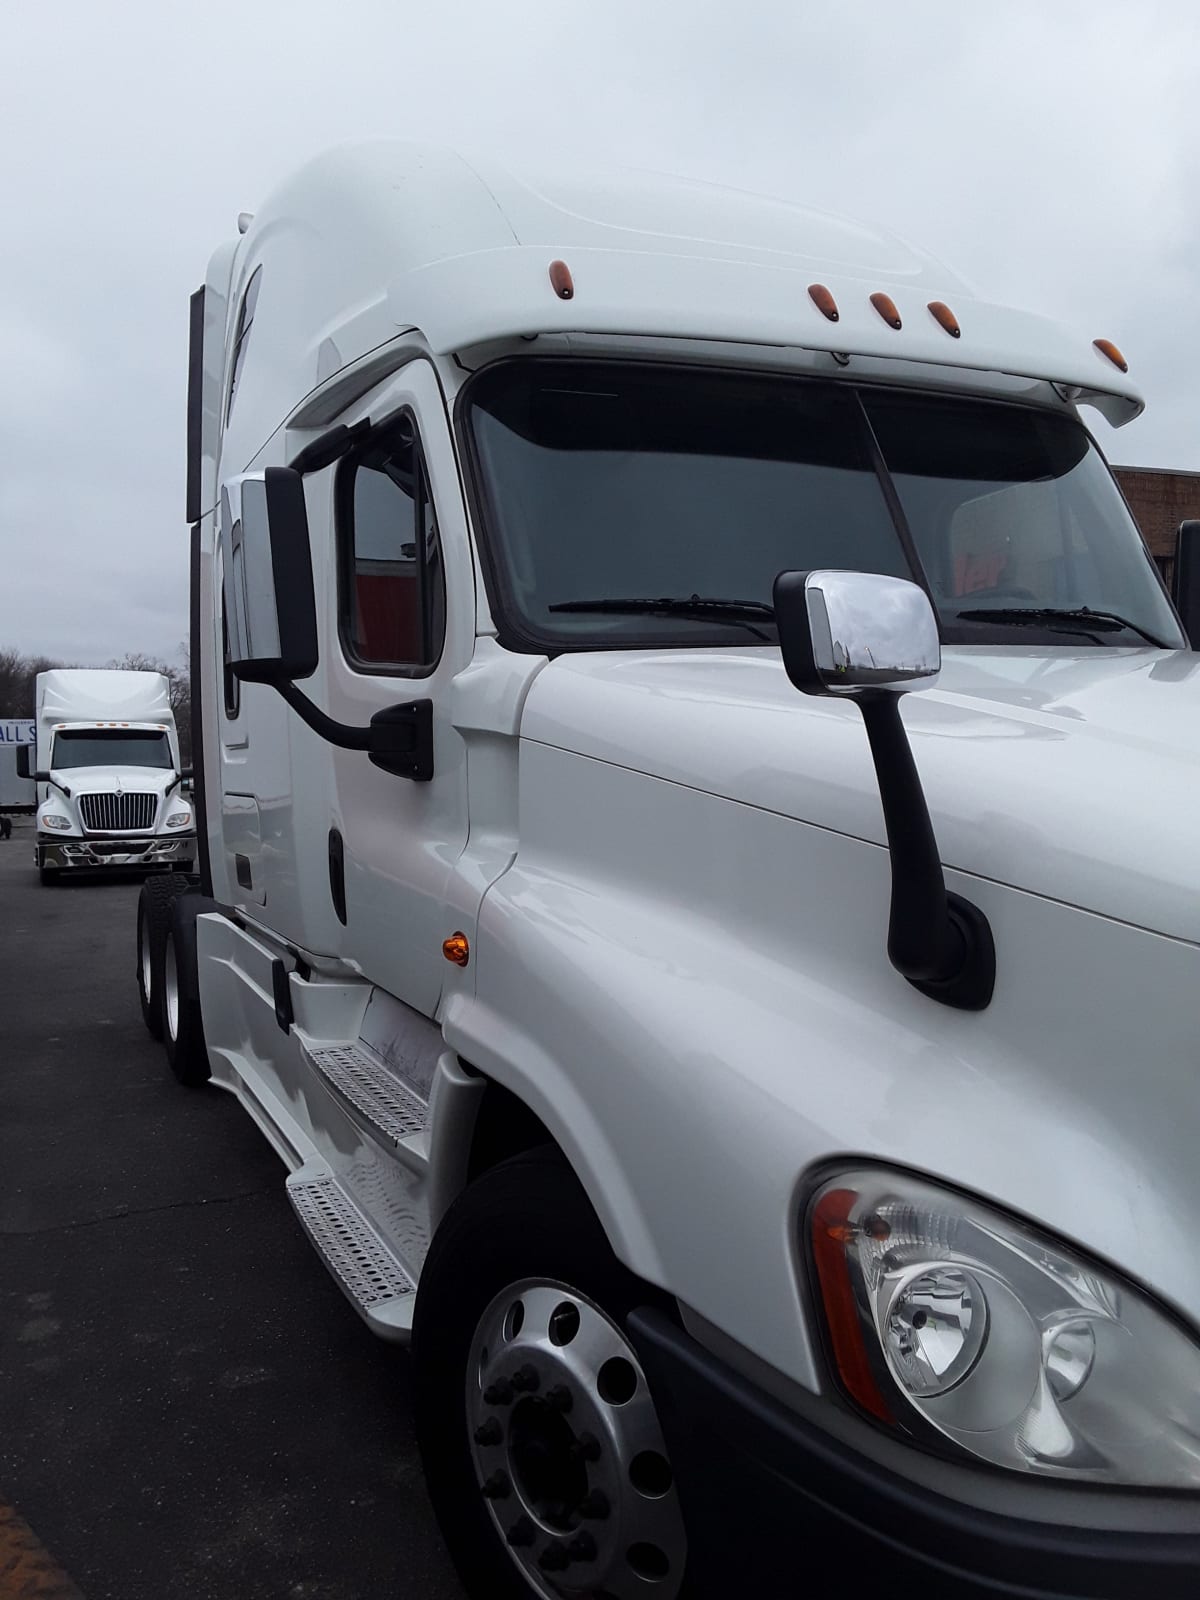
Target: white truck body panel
(670,866)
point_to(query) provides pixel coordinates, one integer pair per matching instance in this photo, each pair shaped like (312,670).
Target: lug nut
(554,1557)
(560,1397)
(586,1448)
(489,1432)
(497,1487)
(522,1532)
(594,1506)
(582,1548)
(499,1393)
(525,1379)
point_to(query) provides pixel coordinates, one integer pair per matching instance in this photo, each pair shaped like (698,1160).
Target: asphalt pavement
(189,1409)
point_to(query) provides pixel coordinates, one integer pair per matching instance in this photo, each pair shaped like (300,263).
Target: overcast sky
(1047,150)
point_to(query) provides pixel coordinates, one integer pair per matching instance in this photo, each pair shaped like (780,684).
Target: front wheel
(542,1447)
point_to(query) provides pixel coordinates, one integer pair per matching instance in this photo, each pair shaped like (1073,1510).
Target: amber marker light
(886,308)
(945,318)
(824,301)
(831,1230)
(1110,352)
(456,949)
(561,281)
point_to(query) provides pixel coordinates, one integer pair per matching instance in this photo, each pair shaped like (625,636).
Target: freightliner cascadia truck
(697,880)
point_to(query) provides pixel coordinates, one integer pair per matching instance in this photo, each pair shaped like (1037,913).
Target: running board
(358,1076)
(369,1274)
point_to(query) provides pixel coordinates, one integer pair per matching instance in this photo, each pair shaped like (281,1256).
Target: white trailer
(107,772)
(771,1114)
(17,794)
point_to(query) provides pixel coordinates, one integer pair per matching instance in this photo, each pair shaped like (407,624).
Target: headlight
(970,1329)
(179,819)
(55,823)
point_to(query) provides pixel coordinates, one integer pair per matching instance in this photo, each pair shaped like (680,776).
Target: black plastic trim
(761,1486)
(282,996)
(196,696)
(195,407)
(337,874)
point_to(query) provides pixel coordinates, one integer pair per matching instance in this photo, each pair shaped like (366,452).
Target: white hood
(1073,775)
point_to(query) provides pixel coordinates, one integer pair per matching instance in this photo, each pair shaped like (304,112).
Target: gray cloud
(1048,153)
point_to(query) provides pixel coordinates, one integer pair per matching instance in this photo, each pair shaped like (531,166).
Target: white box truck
(18,795)
(696,778)
(107,769)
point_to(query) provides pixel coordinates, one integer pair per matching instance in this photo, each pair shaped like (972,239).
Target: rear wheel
(542,1448)
(182,1026)
(157,897)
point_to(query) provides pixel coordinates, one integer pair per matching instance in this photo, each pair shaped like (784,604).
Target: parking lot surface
(189,1409)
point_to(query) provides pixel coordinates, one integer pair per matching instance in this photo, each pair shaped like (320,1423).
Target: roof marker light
(1109,350)
(886,308)
(945,318)
(824,301)
(561,281)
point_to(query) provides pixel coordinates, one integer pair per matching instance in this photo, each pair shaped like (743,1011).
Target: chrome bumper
(114,851)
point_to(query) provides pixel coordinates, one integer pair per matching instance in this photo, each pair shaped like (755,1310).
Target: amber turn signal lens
(1108,349)
(824,301)
(945,318)
(831,1231)
(886,308)
(561,281)
(456,949)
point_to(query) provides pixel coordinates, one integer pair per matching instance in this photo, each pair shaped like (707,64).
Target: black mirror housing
(1185,586)
(24,770)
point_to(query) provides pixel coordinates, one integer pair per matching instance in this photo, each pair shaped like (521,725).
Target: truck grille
(118,813)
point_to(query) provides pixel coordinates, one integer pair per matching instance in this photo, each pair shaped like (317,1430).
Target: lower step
(370,1275)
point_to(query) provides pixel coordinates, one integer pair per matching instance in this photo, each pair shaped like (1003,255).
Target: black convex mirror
(1185,585)
(270,606)
(24,766)
(870,638)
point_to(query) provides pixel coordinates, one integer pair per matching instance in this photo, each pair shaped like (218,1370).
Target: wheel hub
(568,1450)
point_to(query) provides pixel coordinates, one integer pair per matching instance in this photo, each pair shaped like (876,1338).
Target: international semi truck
(696,786)
(107,771)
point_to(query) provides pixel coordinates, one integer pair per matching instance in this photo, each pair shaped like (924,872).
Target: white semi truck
(107,768)
(767,1098)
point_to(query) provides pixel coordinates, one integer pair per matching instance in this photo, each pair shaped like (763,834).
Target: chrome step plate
(354,1253)
(372,1089)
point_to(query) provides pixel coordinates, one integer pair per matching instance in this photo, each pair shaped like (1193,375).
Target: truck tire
(154,905)
(182,1024)
(47,876)
(542,1449)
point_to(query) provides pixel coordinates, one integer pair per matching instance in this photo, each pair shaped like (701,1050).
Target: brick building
(1160,501)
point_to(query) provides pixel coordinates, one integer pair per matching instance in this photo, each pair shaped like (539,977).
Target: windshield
(118,747)
(607,481)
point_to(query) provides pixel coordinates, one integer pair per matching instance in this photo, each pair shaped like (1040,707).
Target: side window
(242,337)
(233,685)
(392,589)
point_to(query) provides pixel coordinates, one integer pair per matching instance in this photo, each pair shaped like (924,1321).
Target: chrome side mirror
(869,638)
(843,632)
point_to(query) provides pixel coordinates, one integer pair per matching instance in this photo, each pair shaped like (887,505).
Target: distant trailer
(17,794)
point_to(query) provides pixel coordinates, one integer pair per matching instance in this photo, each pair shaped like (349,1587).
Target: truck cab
(108,774)
(697,880)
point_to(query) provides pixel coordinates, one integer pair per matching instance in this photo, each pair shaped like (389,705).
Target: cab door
(404,600)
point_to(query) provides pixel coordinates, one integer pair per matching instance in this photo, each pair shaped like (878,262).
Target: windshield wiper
(1081,619)
(747,612)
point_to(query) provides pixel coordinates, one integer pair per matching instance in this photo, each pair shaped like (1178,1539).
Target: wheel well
(504,1127)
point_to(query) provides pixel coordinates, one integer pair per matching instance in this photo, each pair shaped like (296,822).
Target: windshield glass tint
(98,747)
(615,482)
(1013,508)
(605,481)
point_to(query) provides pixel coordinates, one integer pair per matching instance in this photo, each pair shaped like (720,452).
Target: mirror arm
(44,777)
(937,940)
(340,734)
